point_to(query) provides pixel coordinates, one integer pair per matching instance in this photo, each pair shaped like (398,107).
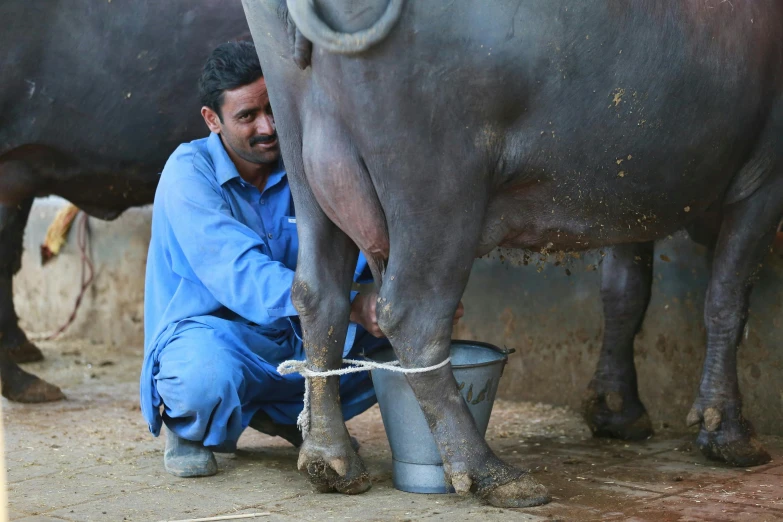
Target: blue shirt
(219,247)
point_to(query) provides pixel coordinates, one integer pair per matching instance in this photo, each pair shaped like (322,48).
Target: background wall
(555,322)
(112,310)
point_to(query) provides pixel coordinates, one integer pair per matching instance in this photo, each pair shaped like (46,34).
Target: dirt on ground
(92,458)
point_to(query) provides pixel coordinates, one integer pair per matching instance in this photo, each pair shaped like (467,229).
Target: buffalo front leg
(13,341)
(612,407)
(416,306)
(746,232)
(17,385)
(320,292)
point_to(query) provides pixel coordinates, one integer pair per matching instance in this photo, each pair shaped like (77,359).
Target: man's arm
(362,273)
(224,254)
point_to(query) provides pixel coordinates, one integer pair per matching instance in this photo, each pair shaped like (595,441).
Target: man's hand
(363,311)
(458,314)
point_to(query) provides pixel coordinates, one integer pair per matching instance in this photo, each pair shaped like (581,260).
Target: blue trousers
(215,375)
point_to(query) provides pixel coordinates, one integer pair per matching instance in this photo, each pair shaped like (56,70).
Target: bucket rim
(502,351)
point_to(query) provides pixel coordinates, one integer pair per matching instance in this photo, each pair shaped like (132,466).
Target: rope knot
(355,366)
(292,366)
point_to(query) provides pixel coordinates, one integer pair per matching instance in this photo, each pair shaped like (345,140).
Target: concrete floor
(92,458)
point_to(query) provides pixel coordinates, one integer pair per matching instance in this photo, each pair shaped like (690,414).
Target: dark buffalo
(94,97)
(427,133)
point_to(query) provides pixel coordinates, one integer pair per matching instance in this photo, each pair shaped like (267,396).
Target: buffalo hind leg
(17,385)
(13,341)
(415,307)
(612,407)
(327,258)
(746,232)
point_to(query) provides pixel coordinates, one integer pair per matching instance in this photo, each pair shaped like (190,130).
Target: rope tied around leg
(294,366)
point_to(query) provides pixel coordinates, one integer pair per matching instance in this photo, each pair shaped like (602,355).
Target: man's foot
(185,458)
(264,423)
(290,432)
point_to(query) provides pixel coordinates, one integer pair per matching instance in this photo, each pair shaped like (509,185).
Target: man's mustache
(265,138)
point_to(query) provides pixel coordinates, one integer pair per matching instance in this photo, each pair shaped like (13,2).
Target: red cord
(86,281)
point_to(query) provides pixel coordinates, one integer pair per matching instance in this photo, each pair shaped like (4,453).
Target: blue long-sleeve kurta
(221,254)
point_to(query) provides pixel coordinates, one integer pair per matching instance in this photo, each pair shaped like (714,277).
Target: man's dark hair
(231,65)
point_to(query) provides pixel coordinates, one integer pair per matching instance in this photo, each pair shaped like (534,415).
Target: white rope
(294,366)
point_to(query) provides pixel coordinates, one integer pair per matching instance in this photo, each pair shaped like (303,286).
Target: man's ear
(211,119)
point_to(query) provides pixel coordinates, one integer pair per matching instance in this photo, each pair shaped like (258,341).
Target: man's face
(247,126)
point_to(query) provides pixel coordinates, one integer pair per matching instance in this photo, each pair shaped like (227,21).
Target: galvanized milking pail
(417,467)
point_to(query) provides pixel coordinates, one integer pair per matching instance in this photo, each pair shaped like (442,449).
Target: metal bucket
(417,465)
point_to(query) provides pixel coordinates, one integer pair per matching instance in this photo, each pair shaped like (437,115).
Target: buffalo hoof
(617,416)
(20,386)
(19,348)
(726,436)
(498,484)
(334,468)
(521,492)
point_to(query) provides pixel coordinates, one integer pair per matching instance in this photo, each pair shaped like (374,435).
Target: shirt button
(263,201)
(269,235)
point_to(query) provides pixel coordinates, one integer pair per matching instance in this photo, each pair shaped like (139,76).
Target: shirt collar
(276,176)
(225,170)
